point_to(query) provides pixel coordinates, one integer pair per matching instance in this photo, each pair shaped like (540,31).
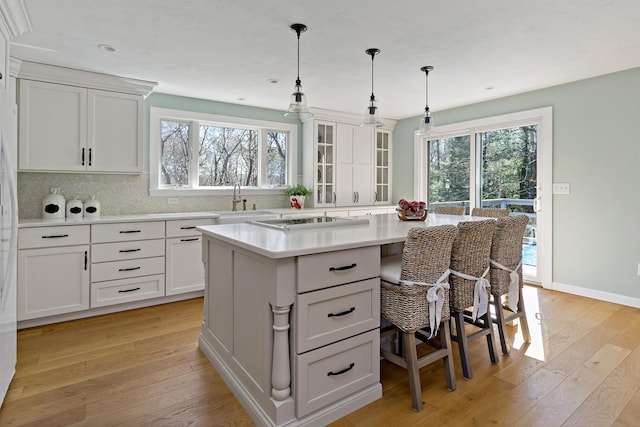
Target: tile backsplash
(120,195)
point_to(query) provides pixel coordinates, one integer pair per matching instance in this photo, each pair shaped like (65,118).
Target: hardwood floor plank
(630,414)
(607,401)
(143,367)
(557,406)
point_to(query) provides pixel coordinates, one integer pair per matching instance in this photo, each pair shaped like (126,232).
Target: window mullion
(194,150)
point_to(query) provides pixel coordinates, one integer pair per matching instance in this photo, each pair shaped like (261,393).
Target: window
(502,161)
(196,153)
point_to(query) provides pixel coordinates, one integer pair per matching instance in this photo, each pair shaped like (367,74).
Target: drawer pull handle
(345,370)
(129,231)
(55,236)
(191,227)
(344,313)
(193,239)
(129,269)
(344,267)
(123,291)
(124,251)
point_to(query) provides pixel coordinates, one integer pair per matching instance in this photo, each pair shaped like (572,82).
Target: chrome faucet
(236,197)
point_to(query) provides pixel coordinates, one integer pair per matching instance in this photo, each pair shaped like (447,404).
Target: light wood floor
(143,368)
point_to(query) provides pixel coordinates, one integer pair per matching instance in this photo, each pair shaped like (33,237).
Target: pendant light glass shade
(371,114)
(426,126)
(298,104)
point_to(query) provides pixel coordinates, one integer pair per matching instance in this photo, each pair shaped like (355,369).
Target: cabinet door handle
(90,156)
(129,231)
(83,157)
(85,260)
(122,291)
(342,313)
(129,269)
(345,370)
(357,197)
(55,236)
(190,227)
(344,267)
(124,251)
(190,240)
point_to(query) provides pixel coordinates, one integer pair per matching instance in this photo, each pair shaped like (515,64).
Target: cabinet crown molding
(73,77)
(15,16)
(343,117)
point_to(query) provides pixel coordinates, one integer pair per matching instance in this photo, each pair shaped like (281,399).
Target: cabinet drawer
(102,252)
(319,271)
(186,227)
(126,290)
(331,373)
(46,237)
(125,269)
(329,315)
(127,231)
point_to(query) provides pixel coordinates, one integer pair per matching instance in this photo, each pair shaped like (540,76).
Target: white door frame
(543,118)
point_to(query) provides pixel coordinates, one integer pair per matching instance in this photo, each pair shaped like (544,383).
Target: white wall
(596,237)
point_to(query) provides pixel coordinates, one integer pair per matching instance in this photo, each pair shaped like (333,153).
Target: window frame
(156,115)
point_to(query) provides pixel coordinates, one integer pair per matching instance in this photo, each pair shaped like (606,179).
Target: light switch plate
(561,188)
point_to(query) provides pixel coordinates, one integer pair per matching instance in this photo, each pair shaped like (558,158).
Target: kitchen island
(291,317)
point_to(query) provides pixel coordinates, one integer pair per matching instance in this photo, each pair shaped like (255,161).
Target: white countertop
(272,243)
(42,222)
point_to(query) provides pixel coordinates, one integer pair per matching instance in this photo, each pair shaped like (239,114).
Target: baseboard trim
(596,294)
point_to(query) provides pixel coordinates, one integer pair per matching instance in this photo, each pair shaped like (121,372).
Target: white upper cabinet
(355,155)
(52,127)
(346,164)
(114,126)
(76,121)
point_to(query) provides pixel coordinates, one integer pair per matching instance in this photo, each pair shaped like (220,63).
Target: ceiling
(244,52)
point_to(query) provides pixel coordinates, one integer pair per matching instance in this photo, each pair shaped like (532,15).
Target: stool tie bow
(435,299)
(480,292)
(514,284)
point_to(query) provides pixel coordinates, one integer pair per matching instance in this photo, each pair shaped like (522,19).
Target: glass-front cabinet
(340,157)
(324,187)
(383,167)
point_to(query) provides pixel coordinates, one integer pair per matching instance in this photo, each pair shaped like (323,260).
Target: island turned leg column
(281,365)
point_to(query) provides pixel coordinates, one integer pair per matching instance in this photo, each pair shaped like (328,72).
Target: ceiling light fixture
(107,48)
(426,127)
(371,115)
(298,105)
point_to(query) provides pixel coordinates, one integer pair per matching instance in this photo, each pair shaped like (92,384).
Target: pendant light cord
(298,82)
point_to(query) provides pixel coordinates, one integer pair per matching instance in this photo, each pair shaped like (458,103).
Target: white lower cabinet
(69,268)
(130,262)
(53,271)
(126,290)
(337,320)
(184,268)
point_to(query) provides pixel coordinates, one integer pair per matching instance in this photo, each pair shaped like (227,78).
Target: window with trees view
(204,152)
(507,160)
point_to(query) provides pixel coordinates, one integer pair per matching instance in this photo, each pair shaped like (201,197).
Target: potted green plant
(296,194)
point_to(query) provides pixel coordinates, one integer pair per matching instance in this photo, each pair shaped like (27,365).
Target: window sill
(177,192)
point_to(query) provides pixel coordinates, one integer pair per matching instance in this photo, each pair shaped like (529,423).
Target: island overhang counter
(291,317)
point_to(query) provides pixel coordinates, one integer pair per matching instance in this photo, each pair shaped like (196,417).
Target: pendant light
(426,127)
(371,115)
(298,105)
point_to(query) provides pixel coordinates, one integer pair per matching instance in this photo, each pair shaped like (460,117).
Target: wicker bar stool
(414,297)
(470,267)
(490,212)
(506,275)
(449,210)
